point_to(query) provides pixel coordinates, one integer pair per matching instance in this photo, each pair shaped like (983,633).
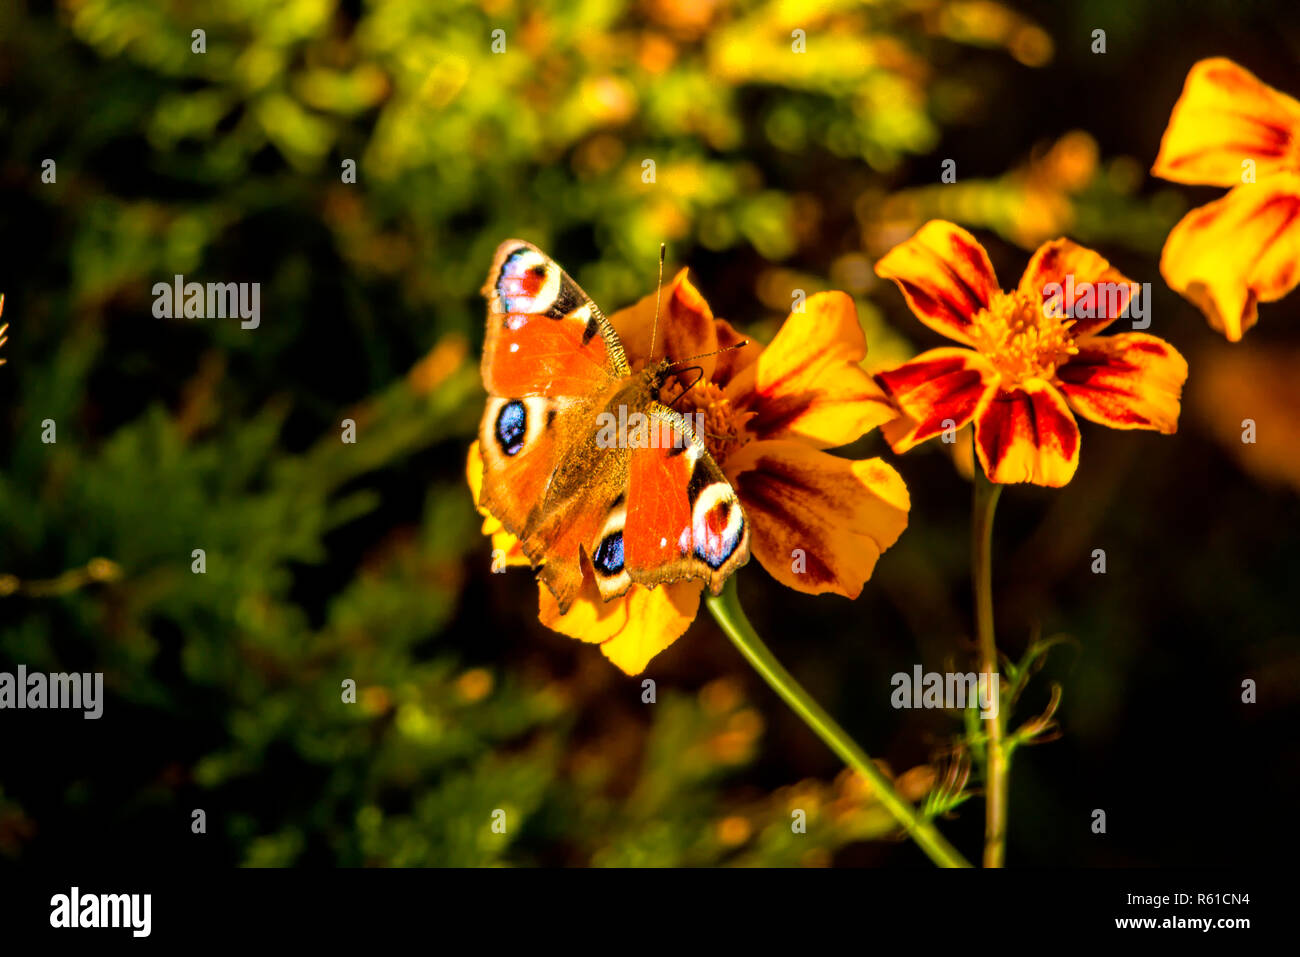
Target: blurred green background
(775,170)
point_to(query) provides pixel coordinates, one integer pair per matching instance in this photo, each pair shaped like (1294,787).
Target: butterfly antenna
(654,330)
(699,374)
(705,355)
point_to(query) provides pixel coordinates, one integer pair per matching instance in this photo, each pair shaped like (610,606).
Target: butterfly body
(563,471)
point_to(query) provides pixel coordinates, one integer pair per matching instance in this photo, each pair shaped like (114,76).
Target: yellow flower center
(1019,340)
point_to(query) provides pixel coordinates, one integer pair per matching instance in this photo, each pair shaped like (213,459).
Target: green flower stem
(998,763)
(728,613)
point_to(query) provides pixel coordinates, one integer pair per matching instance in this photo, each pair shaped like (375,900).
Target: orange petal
(808,383)
(819,522)
(685,328)
(735,360)
(1224,116)
(1075,268)
(937,390)
(632,628)
(944,274)
(506,549)
(1027,434)
(1236,252)
(1129,381)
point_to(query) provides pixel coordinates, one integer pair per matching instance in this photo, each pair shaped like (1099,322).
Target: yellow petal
(819,522)
(808,384)
(1225,116)
(945,275)
(632,628)
(1236,252)
(506,549)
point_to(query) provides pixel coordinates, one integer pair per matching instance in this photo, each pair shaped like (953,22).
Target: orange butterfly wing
(684,519)
(545,336)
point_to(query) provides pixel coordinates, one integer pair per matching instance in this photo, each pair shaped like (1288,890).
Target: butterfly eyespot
(608,559)
(512,426)
(526,283)
(718,525)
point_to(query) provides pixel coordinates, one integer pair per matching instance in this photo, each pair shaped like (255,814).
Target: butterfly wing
(544,334)
(682,518)
(550,362)
(549,352)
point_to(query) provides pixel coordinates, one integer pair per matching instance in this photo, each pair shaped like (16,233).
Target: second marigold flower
(1032,356)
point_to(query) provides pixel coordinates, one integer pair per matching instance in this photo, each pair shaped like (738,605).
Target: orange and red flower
(818,522)
(1026,364)
(1230,129)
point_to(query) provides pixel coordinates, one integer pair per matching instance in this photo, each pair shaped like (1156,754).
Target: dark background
(328,561)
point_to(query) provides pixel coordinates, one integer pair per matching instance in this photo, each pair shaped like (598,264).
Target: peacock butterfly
(632,511)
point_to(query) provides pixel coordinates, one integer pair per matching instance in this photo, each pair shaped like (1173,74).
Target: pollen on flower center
(724,431)
(1019,340)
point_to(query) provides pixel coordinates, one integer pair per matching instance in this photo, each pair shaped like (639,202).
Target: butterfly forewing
(545,336)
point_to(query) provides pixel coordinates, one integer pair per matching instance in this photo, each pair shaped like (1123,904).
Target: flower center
(724,431)
(1019,340)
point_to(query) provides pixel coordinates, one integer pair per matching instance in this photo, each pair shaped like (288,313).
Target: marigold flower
(1027,364)
(818,522)
(1230,129)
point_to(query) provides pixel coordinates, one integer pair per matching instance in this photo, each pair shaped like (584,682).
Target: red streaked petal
(819,522)
(685,327)
(1236,252)
(1075,269)
(935,387)
(1027,434)
(944,274)
(1129,381)
(1226,115)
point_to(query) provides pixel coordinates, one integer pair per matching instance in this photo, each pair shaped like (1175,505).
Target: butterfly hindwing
(684,520)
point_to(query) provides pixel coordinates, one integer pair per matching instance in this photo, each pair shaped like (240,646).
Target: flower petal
(808,383)
(937,390)
(632,628)
(685,328)
(737,357)
(1236,252)
(1027,434)
(1129,381)
(1075,269)
(1226,115)
(506,549)
(945,275)
(819,522)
